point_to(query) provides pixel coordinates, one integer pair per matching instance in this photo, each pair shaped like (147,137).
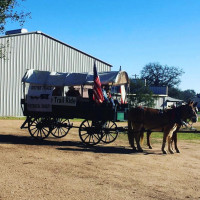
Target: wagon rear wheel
(90,132)
(110,132)
(60,127)
(39,128)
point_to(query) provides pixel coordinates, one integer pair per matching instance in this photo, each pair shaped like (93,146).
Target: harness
(175,117)
(171,116)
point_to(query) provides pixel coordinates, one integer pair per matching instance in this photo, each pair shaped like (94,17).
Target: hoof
(164,152)
(150,147)
(134,149)
(140,150)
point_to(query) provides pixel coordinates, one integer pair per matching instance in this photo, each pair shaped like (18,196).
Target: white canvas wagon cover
(47,78)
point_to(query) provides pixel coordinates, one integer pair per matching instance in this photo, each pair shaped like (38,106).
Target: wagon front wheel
(38,128)
(90,132)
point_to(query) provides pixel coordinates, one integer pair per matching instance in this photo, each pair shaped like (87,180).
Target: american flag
(97,91)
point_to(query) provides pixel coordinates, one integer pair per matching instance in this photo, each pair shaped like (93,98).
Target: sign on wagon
(39,98)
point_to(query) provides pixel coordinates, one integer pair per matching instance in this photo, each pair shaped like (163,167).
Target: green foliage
(140,94)
(188,95)
(185,95)
(175,93)
(3,50)
(8,12)
(159,75)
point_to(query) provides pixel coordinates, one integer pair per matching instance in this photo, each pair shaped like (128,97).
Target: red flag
(97,91)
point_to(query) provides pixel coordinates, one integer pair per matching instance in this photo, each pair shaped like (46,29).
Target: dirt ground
(65,169)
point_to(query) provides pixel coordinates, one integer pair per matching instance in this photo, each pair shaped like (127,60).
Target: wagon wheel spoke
(36,131)
(110,132)
(89,134)
(85,139)
(90,138)
(38,128)
(40,135)
(60,126)
(44,132)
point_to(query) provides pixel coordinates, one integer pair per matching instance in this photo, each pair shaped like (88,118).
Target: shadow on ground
(67,145)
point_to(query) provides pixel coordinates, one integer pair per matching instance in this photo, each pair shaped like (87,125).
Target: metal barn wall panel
(36,51)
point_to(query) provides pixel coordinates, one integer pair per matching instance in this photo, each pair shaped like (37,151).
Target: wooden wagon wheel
(90,132)
(60,127)
(39,128)
(109,131)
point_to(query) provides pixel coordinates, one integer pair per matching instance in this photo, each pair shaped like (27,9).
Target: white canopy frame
(73,79)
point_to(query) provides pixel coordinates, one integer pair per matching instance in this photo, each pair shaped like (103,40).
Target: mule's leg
(165,135)
(137,139)
(149,139)
(170,144)
(141,138)
(174,138)
(172,129)
(131,135)
(131,139)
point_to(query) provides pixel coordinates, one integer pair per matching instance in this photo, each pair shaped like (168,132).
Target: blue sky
(127,33)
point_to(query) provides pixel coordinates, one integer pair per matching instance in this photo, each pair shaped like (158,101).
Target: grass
(181,136)
(198,119)
(12,118)
(157,136)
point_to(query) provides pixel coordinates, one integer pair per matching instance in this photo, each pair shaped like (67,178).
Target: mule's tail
(130,134)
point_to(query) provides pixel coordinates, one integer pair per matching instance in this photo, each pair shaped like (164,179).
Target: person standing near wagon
(110,98)
(106,100)
(72,92)
(107,95)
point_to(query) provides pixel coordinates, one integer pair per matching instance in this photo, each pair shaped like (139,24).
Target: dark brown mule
(141,119)
(174,135)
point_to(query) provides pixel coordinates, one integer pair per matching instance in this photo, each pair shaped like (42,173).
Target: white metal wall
(36,51)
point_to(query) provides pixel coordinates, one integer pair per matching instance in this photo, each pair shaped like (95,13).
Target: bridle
(194,117)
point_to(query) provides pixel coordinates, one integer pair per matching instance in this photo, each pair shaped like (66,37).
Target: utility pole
(135,75)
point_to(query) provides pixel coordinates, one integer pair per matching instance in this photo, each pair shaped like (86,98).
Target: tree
(8,12)
(140,94)
(185,95)
(159,75)
(3,51)
(188,95)
(175,93)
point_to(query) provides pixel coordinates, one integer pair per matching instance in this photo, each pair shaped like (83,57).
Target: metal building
(36,50)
